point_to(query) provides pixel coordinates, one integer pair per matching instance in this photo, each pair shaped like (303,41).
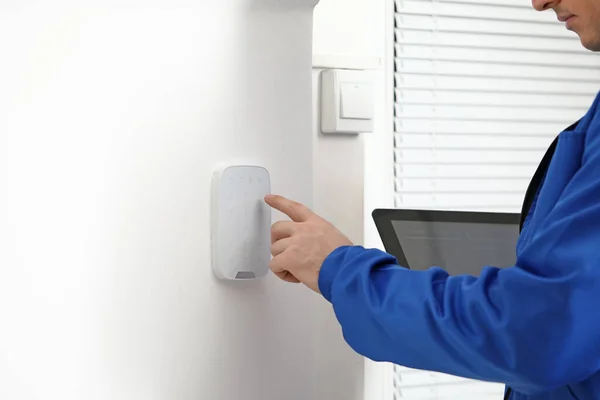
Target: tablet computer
(460,242)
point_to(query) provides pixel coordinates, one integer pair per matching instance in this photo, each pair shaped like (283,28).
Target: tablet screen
(457,247)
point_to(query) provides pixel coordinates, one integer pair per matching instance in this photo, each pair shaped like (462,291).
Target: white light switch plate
(347,102)
(241,223)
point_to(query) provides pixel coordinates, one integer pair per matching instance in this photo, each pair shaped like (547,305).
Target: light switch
(347,102)
(356,101)
(241,223)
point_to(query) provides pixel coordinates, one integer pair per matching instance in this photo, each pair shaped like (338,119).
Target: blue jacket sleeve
(534,326)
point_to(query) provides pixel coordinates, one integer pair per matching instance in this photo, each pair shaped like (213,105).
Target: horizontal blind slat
(448,201)
(482,141)
(466,185)
(478,113)
(452,171)
(460,69)
(538,127)
(422,378)
(503,56)
(476,26)
(465,157)
(486,40)
(466,389)
(501,85)
(527,100)
(511,3)
(479,11)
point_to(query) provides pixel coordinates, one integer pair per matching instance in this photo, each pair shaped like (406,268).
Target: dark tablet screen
(459,242)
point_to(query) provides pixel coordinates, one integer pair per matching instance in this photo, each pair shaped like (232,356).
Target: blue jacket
(534,326)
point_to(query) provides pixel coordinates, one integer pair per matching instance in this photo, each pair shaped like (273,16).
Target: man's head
(580,16)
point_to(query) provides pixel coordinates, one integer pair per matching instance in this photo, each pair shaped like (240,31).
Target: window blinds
(481,89)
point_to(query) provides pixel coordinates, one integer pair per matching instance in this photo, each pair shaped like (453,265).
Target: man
(534,326)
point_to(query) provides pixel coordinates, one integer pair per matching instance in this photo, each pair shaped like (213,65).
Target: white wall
(354,174)
(338,176)
(113,117)
(350,28)
(358,34)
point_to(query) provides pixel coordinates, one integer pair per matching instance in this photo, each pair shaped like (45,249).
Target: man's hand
(300,246)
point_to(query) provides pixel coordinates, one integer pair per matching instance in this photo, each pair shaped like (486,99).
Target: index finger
(296,211)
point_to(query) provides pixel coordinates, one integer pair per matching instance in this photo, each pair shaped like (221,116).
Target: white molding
(379,381)
(379,162)
(336,61)
(389,69)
